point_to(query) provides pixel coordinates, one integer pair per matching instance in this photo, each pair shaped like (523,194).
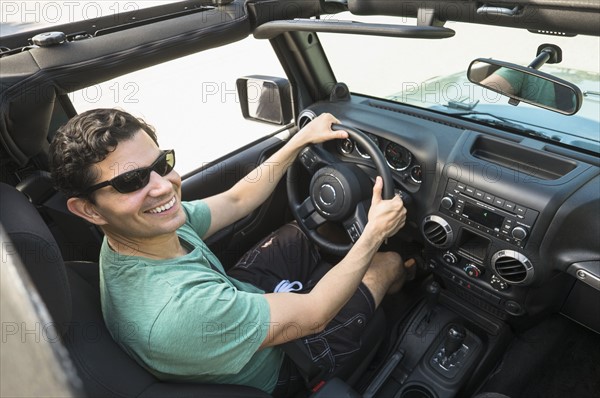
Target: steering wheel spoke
(314,157)
(355,224)
(309,215)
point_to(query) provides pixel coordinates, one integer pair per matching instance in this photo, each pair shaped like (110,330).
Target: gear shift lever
(454,339)
(456,350)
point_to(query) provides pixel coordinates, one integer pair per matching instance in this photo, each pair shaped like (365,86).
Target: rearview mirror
(265,99)
(526,84)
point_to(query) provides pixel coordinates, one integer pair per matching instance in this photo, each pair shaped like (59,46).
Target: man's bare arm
(251,191)
(295,315)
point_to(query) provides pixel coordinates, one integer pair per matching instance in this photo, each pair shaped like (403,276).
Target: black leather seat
(71,293)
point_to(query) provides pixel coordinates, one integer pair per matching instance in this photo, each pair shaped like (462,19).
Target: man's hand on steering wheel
(318,130)
(338,191)
(386,217)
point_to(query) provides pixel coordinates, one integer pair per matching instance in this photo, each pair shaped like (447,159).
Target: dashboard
(502,219)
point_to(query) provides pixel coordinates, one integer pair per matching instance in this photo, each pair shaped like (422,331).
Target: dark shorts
(287,261)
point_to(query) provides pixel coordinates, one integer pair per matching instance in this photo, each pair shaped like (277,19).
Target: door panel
(233,241)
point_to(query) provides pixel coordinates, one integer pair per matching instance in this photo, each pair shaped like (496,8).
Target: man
(166,298)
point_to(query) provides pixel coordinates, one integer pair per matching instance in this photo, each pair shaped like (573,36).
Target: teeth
(162,208)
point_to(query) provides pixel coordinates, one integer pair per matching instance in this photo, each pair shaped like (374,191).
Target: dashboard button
(479,194)
(497,283)
(354,232)
(520,210)
(470,191)
(499,202)
(460,186)
(510,206)
(488,198)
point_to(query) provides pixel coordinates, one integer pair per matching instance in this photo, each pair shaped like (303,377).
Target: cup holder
(416,391)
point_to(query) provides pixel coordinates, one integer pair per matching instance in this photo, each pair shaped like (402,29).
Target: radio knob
(450,258)
(519,233)
(447,202)
(472,270)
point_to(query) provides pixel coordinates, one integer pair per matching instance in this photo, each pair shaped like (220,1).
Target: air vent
(305,118)
(437,231)
(512,267)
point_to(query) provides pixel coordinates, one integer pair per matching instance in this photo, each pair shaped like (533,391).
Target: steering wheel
(339,192)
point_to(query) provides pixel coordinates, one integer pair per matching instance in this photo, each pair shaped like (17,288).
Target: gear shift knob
(454,339)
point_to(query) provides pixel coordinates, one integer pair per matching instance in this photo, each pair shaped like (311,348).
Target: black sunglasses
(133,180)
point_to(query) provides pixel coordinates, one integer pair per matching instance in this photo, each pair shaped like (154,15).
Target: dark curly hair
(88,139)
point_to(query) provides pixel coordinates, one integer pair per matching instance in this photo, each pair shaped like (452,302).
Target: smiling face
(141,217)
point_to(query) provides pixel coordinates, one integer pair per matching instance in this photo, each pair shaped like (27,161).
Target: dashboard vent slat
(437,231)
(305,117)
(512,267)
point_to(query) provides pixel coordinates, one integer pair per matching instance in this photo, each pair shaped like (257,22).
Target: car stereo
(490,214)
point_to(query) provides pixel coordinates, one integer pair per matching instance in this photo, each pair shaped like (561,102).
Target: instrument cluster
(398,158)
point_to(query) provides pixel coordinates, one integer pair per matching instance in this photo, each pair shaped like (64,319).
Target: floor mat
(574,371)
(555,359)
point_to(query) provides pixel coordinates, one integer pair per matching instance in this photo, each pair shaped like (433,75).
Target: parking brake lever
(433,293)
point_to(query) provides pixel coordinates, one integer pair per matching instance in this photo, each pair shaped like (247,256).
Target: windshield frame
(70,20)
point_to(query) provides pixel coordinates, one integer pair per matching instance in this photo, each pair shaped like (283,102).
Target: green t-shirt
(184,321)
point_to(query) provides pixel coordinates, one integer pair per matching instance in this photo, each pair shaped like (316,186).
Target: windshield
(432,74)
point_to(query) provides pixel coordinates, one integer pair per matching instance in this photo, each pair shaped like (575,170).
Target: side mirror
(265,99)
(526,84)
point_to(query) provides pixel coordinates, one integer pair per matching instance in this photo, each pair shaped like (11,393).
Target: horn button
(336,190)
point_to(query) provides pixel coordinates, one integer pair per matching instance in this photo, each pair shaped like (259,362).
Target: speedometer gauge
(398,157)
(361,151)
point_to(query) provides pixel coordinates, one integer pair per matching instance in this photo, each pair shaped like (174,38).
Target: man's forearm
(252,190)
(340,283)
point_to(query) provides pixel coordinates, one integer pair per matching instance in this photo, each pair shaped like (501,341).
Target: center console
(477,243)
(442,347)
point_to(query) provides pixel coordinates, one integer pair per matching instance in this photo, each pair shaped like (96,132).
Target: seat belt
(311,372)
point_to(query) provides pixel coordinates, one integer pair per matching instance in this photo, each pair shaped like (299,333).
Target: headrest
(33,242)
(38,186)
(24,123)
